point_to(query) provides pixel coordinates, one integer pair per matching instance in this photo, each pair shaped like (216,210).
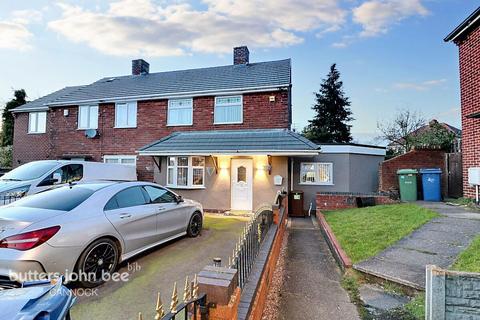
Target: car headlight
(15,193)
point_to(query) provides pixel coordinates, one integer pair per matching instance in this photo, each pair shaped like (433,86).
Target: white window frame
(35,116)
(230,104)
(190,167)
(119,158)
(90,107)
(130,123)
(176,108)
(317,182)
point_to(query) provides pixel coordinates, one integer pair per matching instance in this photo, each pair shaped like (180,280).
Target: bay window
(180,112)
(228,110)
(37,122)
(88,117)
(185,172)
(316,173)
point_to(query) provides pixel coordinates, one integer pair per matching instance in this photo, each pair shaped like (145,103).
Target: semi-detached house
(220,135)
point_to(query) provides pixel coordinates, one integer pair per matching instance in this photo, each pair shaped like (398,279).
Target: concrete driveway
(157,270)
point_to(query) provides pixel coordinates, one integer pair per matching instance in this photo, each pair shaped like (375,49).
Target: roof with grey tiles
(269,74)
(39,104)
(231,141)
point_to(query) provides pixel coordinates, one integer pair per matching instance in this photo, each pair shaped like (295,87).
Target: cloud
(419,86)
(14,32)
(377,16)
(140,27)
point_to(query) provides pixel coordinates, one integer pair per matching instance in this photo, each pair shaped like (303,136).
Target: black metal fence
(4,200)
(248,246)
(195,308)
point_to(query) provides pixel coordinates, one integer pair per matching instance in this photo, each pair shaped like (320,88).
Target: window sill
(132,127)
(33,133)
(186,187)
(220,123)
(316,184)
(180,125)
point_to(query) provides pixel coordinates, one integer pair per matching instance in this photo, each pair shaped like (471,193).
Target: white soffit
(329,148)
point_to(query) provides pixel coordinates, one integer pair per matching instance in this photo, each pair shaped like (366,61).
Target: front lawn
(364,232)
(469,260)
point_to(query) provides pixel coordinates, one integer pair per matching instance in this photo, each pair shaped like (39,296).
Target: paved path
(437,242)
(312,290)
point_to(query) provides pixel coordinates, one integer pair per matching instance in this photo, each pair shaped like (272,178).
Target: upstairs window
(316,173)
(37,122)
(185,172)
(180,112)
(126,115)
(228,110)
(88,117)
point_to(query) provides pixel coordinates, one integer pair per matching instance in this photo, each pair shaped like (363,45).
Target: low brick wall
(258,305)
(415,159)
(452,295)
(335,201)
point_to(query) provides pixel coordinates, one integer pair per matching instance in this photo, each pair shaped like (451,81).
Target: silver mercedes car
(88,229)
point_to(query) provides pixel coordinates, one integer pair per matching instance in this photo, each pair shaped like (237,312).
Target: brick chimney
(241,55)
(140,66)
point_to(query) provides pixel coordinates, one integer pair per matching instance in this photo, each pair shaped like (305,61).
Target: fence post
(223,295)
(276,213)
(434,293)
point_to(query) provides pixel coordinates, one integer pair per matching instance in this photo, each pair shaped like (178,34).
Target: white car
(87,229)
(38,176)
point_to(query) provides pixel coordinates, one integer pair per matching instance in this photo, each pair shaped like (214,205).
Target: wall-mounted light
(65,112)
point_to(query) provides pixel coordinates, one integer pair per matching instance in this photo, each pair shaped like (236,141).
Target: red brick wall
(469,51)
(415,159)
(327,201)
(63,138)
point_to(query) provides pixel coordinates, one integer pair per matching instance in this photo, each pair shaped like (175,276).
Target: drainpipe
(291,174)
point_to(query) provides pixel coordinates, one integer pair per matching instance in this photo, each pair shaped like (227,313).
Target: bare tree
(398,130)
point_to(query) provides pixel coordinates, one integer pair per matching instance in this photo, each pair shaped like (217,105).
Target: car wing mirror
(179,199)
(57,177)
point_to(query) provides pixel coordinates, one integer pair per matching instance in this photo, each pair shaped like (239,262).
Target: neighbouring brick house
(220,135)
(467,37)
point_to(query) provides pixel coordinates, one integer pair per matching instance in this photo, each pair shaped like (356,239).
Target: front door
(242,184)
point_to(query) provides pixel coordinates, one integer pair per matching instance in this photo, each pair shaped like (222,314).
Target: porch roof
(232,142)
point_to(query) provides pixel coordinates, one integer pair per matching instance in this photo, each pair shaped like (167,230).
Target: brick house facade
(467,37)
(63,140)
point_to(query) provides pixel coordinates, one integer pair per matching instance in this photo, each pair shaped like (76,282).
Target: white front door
(242,184)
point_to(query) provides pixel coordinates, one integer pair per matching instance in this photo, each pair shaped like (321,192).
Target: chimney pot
(241,55)
(140,66)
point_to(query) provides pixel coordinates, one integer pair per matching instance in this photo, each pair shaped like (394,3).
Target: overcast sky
(390,53)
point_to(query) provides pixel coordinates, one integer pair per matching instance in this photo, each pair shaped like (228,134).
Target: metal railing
(248,246)
(4,200)
(194,305)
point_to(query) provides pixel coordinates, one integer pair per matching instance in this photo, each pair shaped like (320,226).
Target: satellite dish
(91,133)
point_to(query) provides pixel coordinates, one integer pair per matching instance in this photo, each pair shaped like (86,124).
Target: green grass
(469,260)
(416,306)
(364,232)
(461,201)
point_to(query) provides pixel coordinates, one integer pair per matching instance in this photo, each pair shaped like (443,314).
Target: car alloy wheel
(100,259)
(195,225)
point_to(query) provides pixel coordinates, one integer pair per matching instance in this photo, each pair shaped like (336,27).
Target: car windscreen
(63,199)
(29,171)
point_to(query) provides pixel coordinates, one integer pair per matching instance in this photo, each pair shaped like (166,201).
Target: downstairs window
(185,172)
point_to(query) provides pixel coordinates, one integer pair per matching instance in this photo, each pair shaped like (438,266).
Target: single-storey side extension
(348,168)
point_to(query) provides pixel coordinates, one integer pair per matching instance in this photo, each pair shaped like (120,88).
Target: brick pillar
(223,294)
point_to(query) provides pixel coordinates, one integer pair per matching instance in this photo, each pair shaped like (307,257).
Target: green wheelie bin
(407,180)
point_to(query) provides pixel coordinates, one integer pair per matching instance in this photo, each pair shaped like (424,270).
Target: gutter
(229,153)
(170,95)
(457,32)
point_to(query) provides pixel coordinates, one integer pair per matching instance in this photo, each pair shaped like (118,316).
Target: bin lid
(407,171)
(430,170)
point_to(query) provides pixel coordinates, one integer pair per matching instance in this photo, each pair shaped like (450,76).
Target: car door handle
(125,216)
(161,209)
